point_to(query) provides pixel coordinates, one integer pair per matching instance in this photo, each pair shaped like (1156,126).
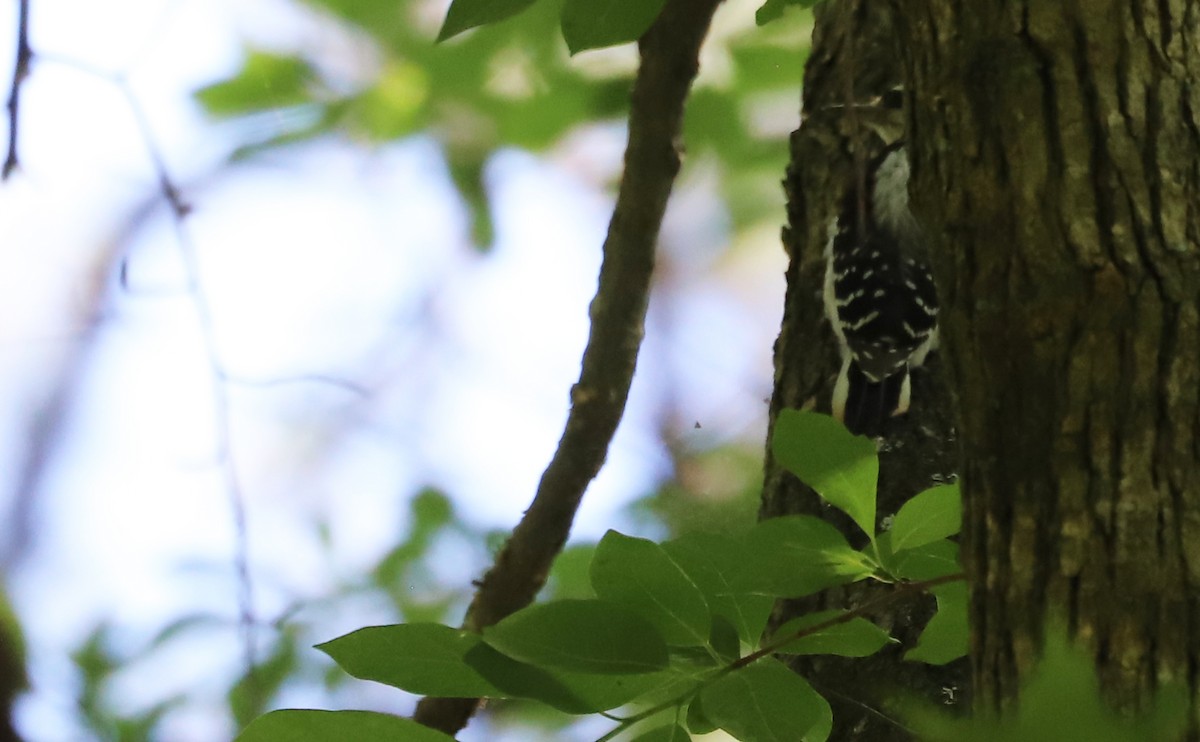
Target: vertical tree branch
(20,72)
(670,60)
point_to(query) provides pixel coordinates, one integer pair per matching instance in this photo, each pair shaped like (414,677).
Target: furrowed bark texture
(670,60)
(1057,158)
(853,57)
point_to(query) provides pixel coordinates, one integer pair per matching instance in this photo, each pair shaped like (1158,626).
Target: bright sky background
(324,262)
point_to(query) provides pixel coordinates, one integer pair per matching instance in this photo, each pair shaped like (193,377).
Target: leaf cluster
(512,84)
(675,631)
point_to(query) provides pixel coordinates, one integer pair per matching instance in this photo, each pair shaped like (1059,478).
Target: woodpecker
(879,295)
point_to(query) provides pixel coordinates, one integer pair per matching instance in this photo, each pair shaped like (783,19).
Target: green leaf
(430,511)
(250,694)
(713,120)
(722,567)
(466,170)
(591,24)
(945,636)
(672,733)
(265,81)
(824,726)
(724,639)
(763,66)
(697,722)
(569,574)
(421,658)
(381,18)
(929,516)
(764,702)
(391,108)
(927,562)
(574,693)
(857,637)
(841,467)
(303,725)
(592,636)
(465,14)
(637,573)
(798,555)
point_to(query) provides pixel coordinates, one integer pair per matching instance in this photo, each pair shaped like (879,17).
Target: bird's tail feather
(869,403)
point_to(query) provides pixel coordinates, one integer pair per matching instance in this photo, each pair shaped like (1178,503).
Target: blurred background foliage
(513,84)
(374,76)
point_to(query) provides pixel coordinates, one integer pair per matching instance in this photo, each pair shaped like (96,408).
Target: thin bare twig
(173,196)
(220,393)
(20,72)
(669,62)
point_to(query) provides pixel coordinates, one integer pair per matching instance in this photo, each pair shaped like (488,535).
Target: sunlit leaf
(798,555)
(302,725)
(591,24)
(593,636)
(637,573)
(929,516)
(465,14)
(265,81)
(390,108)
(722,567)
(841,467)
(422,658)
(928,562)
(569,575)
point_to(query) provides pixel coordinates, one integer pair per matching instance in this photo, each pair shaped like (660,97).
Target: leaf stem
(902,590)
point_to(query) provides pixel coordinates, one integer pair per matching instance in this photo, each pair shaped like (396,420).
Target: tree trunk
(1056,165)
(853,57)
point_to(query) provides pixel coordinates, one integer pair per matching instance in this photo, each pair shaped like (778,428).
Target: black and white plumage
(879,296)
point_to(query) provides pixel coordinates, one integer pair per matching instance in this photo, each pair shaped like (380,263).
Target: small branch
(902,590)
(172,195)
(670,60)
(20,72)
(180,209)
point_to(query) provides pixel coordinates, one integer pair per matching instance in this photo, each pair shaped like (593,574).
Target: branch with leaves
(676,631)
(669,62)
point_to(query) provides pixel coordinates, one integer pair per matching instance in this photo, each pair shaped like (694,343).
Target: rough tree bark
(853,57)
(1056,160)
